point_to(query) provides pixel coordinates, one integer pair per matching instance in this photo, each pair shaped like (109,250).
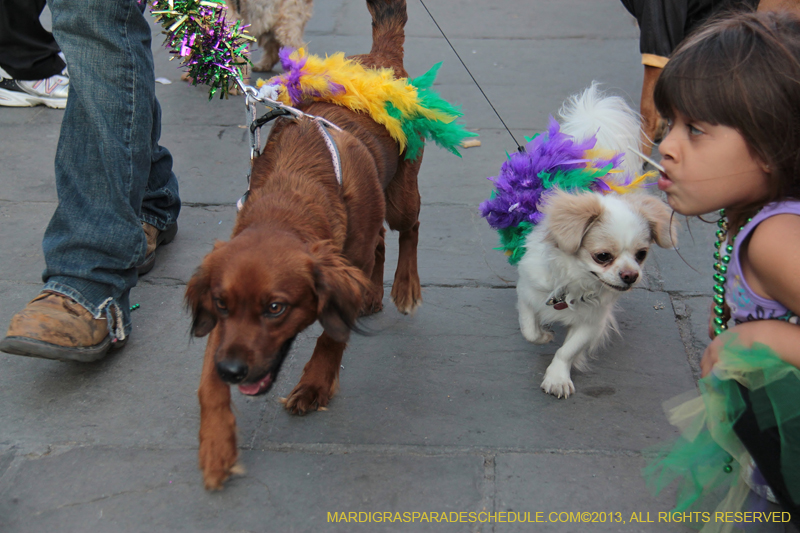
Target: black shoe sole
(164,237)
(44,350)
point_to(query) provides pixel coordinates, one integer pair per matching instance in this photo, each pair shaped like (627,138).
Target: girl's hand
(780,336)
(711,355)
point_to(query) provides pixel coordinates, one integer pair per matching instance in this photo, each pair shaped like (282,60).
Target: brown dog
(304,249)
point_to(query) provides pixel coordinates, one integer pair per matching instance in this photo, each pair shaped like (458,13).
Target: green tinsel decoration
(212,50)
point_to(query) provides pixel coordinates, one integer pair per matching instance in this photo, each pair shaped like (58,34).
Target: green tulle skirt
(708,458)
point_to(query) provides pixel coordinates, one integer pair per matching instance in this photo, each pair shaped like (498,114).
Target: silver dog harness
(279,109)
(322,126)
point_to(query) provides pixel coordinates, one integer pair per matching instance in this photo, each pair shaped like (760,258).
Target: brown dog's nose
(629,276)
(231,371)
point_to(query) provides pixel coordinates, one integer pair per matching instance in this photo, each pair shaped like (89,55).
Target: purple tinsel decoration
(211,49)
(520,187)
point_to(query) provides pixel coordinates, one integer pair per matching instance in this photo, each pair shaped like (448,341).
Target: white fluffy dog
(589,248)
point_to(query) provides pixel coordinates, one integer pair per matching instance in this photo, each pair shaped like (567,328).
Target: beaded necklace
(721,261)
(722,257)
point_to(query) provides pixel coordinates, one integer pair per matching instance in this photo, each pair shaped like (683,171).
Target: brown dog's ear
(340,291)
(569,218)
(198,301)
(663,230)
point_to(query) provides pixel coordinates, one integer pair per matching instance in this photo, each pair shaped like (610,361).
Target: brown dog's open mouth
(259,387)
(263,385)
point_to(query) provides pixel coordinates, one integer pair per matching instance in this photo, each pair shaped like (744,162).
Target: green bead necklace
(722,257)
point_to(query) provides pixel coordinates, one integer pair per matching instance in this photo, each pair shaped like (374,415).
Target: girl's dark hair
(742,70)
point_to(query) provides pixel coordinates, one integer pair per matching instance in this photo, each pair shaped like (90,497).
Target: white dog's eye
(602,258)
(641,255)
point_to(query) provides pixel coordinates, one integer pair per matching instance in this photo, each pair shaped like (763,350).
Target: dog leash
(277,109)
(520,148)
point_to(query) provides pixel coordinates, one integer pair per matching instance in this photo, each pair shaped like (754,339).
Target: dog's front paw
(536,335)
(373,303)
(218,457)
(306,397)
(557,381)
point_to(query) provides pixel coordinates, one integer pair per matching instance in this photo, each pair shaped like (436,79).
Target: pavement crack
(468,285)
(109,496)
(426,450)
(489,500)
(163,281)
(207,204)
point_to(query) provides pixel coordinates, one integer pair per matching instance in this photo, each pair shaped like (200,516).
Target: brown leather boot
(54,326)
(155,238)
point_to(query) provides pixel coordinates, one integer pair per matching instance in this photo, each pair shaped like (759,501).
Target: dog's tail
(616,125)
(388,28)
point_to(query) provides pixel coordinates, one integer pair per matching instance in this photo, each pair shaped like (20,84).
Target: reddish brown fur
(317,249)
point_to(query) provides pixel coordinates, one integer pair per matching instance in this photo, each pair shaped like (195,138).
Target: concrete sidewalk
(437,412)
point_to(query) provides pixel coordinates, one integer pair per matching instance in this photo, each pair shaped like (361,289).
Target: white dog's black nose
(629,276)
(232,371)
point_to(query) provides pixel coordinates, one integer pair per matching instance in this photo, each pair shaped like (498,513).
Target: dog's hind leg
(218,452)
(269,52)
(320,379)
(373,302)
(557,379)
(402,214)
(292,22)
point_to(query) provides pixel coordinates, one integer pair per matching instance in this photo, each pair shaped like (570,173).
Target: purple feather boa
(291,78)
(520,188)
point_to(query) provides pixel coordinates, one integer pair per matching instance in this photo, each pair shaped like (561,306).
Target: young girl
(731,93)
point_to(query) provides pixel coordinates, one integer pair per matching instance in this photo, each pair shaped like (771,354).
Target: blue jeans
(111,173)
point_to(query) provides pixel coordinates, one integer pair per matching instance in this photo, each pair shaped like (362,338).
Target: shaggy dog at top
(274,24)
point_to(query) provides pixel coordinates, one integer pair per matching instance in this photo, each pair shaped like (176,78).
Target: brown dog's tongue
(250,390)
(254,388)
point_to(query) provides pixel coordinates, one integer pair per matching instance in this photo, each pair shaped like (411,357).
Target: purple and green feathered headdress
(551,159)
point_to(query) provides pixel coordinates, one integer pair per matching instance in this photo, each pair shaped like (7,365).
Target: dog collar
(558,303)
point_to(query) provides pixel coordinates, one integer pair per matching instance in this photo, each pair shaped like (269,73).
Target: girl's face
(708,168)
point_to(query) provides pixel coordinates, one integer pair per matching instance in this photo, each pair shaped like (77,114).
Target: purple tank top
(746,305)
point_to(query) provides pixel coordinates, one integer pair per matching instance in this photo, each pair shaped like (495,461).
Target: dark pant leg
(765,448)
(161,204)
(27,50)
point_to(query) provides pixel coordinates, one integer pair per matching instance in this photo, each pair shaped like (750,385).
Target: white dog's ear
(569,218)
(663,230)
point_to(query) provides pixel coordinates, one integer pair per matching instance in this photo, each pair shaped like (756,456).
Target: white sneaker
(51,92)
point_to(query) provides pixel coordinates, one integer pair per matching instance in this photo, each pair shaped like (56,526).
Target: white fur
(617,125)
(546,271)
(622,225)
